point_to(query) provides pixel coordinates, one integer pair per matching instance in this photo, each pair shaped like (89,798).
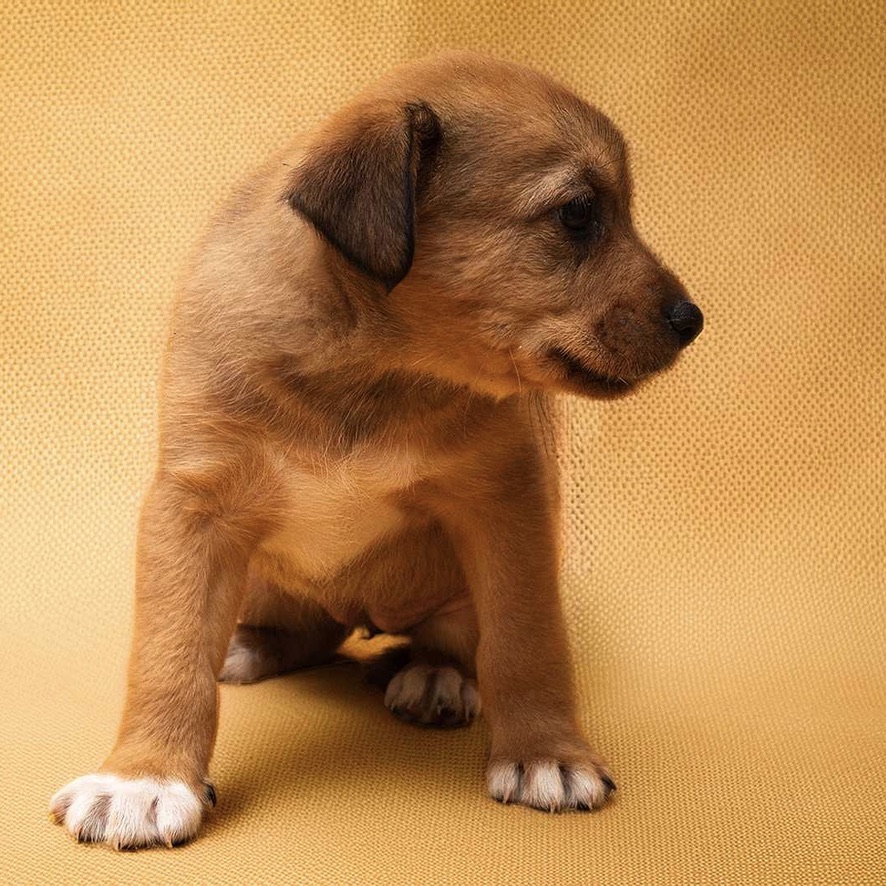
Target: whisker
(517,371)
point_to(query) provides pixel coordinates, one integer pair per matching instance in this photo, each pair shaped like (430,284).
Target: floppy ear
(357,186)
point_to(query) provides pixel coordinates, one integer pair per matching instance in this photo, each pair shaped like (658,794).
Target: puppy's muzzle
(686,320)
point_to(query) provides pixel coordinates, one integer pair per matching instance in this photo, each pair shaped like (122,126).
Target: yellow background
(726,535)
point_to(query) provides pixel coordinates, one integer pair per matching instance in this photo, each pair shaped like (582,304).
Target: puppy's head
(490,210)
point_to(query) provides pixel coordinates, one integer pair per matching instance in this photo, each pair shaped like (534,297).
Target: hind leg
(415,586)
(279,632)
(435,684)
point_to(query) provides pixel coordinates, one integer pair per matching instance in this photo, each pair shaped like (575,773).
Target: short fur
(353,424)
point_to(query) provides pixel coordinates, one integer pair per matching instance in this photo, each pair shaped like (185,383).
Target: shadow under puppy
(353,429)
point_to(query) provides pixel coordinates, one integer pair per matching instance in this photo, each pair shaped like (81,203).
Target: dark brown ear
(357,187)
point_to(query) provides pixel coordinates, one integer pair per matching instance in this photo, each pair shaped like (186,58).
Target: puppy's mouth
(582,380)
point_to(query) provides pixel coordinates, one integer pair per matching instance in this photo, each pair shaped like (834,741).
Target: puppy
(353,430)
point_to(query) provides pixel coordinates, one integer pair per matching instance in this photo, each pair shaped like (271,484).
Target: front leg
(191,571)
(505,531)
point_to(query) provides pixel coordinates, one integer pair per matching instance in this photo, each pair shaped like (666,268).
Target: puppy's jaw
(553,361)
(502,372)
(575,376)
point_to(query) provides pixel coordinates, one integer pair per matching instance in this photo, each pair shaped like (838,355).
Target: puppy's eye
(582,217)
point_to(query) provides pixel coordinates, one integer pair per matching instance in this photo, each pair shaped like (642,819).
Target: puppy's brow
(545,192)
(602,174)
(565,184)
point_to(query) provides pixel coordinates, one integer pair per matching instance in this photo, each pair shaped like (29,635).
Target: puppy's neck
(357,404)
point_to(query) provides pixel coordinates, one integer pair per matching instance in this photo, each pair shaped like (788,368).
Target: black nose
(686,320)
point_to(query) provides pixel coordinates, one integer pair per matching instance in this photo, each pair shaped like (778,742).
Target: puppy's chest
(337,509)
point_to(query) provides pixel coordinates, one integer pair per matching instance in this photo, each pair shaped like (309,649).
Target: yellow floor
(726,529)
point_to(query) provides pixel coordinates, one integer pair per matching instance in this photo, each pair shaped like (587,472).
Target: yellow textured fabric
(726,534)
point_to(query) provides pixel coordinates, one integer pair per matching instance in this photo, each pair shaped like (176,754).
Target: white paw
(549,784)
(128,814)
(432,696)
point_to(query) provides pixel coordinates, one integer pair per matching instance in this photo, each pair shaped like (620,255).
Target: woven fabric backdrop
(726,540)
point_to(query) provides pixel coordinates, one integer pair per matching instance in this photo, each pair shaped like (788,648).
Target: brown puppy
(353,424)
